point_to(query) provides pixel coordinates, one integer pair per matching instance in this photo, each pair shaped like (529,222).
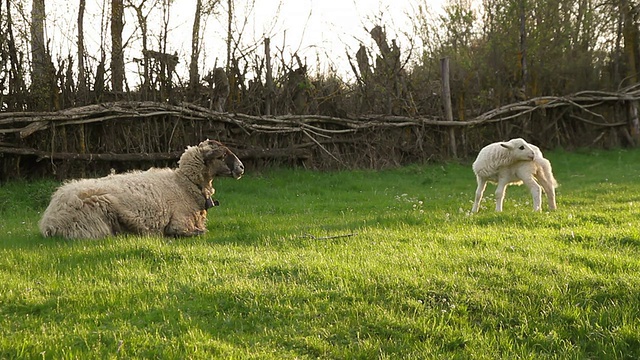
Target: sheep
(514,162)
(158,201)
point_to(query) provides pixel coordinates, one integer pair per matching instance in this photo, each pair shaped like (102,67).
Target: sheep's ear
(506,145)
(211,150)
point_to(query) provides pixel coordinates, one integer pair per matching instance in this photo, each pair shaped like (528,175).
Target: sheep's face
(220,161)
(520,149)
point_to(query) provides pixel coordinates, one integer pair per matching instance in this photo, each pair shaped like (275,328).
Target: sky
(324,30)
(333,26)
(330,28)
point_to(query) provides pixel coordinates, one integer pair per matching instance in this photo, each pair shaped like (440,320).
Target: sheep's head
(519,149)
(219,160)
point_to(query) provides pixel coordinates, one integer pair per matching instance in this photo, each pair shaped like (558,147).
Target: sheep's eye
(521,147)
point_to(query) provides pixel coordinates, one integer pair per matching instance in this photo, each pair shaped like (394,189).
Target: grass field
(342,265)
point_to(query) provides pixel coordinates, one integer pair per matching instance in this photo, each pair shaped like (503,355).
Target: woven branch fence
(96,139)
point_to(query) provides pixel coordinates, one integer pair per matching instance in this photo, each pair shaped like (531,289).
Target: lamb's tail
(545,172)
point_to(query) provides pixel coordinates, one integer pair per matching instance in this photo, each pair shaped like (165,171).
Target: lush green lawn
(342,265)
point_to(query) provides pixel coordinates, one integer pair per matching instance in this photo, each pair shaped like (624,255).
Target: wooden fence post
(269,78)
(446,101)
(634,122)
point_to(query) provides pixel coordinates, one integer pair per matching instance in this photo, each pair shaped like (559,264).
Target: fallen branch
(312,237)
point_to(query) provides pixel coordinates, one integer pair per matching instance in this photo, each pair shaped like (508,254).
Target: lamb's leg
(536,192)
(125,220)
(501,191)
(482,184)
(95,217)
(550,190)
(133,223)
(185,226)
(545,178)
(551,197)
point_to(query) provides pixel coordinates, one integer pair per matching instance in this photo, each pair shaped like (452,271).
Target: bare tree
(38,52)
(523,50)
(194,78)
(82,77)
(117,56)
(142,22)
(229,32)
(11,59)
(43,81)
(628,12)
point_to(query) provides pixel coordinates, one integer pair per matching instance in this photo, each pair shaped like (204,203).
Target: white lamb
(514,162)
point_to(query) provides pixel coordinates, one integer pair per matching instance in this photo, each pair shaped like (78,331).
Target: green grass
(342,265)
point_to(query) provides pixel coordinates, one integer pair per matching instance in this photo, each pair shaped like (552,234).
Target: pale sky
(324,29)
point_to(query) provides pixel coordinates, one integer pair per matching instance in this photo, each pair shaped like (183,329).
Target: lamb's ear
(506,145)
(211,150)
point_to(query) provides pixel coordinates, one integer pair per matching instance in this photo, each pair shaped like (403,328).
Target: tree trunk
(229,25)
(82,77)
(630,38)
(164,34)
(38,53)
(194,77)
(39,84)
(630,33)
(166,67)
(523,50)
(117,57)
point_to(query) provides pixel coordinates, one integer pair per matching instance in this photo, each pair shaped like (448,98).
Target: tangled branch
(27,123)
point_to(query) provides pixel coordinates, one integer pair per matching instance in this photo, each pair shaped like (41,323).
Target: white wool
(512,163)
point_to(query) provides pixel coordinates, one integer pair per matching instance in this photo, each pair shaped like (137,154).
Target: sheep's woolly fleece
(170,202)
(513,163)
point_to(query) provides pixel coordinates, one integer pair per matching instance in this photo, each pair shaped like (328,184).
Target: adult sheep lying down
(170,202)
(514,162)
